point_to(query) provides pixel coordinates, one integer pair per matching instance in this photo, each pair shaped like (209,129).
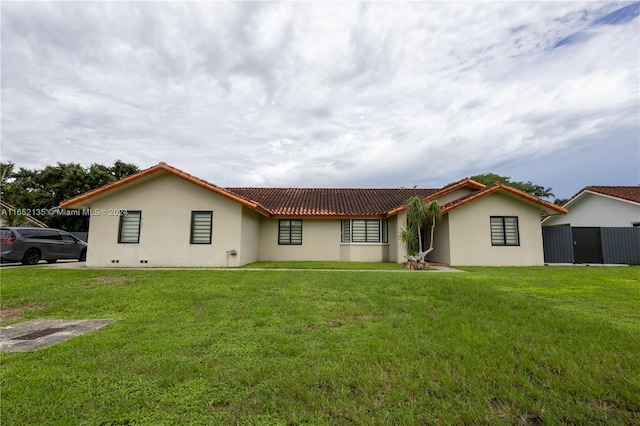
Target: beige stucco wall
(441,250)
(166,202)
(321,240)
(368,252)
(454,195)
(249,251)
(394,247)
(470,233)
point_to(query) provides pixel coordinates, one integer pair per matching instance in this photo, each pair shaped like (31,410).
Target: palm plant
(419,214)
(416,216)
(433,214)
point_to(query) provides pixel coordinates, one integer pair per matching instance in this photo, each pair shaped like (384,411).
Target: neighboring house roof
(321,202)
(330,202)
(27,218)
(628,193)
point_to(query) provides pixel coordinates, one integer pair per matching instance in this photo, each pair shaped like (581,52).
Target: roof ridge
(332,188)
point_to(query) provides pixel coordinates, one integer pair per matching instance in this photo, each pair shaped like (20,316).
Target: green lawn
(545,345)
(352,266)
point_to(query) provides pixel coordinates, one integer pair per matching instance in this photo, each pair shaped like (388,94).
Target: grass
(350,266)
(547,345)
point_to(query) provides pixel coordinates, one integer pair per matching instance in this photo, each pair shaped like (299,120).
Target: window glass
(290,232)
(48,234)
(130,227)
(504,231)
(201,226)
(67,237)
(365,231)
(29,233)
(346,231)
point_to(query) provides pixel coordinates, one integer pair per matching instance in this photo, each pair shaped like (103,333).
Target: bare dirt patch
(363,317)
(10,314)
(109,280)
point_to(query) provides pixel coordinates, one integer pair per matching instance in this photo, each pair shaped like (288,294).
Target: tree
(40,191)
(419,215)
(416,216)
(528,187)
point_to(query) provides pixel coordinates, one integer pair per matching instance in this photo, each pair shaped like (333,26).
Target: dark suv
(29,245)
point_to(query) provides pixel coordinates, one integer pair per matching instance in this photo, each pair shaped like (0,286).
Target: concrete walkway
(78,265)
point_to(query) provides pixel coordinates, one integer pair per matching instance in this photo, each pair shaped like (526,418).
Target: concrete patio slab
(37,334)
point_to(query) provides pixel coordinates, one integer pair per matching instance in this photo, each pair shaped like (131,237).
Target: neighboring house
(602,226)
(163,216)
(601,206)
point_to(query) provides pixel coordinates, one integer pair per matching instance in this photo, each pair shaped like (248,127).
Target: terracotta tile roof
(498,186)
(629,193)
(317,202)
(330,202)
(87,196)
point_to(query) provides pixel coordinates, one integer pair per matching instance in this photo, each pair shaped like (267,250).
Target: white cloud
(319,94)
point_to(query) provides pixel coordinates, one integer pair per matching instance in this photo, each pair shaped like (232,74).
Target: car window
(67,237)
(29,233)
(48,234)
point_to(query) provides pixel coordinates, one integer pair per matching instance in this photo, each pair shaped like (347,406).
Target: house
(163,216)
(601,206)
(602,226)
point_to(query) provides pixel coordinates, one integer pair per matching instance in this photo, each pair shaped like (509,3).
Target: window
(346,231)
(201,224)
(29,233)
(290,232)
(68,237)
(129,232)
(504,231)
(365,231)
(48,234)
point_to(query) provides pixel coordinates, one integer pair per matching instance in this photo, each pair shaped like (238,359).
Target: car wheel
(83,256)
(52,260)
(31,257)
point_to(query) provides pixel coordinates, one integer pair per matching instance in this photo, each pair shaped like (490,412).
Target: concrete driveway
(58,264)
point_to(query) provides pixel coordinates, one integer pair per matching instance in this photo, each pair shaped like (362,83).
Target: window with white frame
(365,231)
(504,231)
(201,226)
(290,232)
(129,229)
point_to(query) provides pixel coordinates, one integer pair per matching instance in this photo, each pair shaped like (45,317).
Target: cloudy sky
(324,94)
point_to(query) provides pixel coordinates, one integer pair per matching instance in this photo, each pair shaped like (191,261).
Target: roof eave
(550,208)
(88,197)
(466,182)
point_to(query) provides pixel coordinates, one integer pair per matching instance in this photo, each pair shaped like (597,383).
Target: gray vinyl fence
(82,235)
(557,242)
(618,245)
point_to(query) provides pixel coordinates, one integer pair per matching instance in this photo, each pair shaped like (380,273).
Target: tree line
(38,192)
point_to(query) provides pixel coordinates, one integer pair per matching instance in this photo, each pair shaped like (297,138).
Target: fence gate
(586,245)
(610,245)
